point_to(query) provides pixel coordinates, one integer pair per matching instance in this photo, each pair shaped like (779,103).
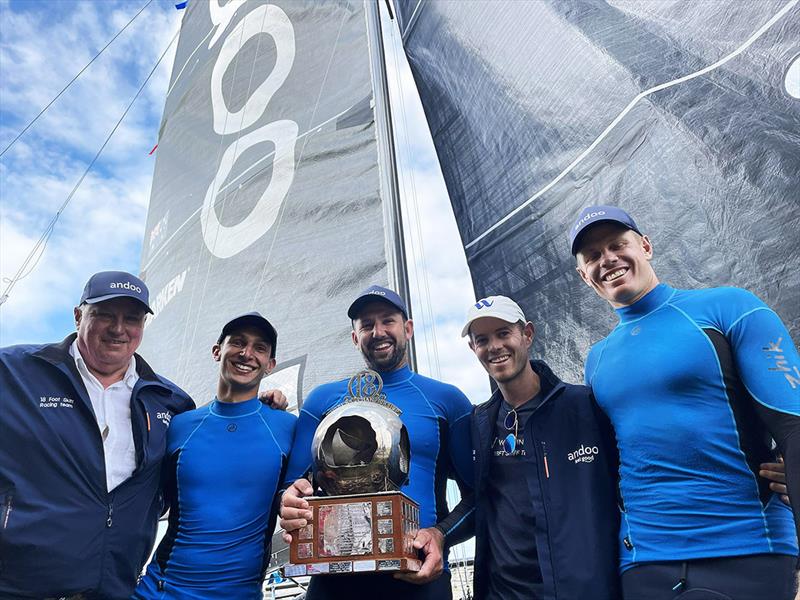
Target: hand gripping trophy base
(361,456)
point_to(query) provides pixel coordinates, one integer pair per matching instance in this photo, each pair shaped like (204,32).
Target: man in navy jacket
(545,484)
(83,425)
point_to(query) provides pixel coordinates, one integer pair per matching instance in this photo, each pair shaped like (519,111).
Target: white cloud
(43,46)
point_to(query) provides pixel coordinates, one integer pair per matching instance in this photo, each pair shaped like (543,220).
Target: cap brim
(259,323)
(359,303)
(578,237)
(112,296)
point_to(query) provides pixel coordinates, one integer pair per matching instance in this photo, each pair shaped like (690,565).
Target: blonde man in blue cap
(696,383)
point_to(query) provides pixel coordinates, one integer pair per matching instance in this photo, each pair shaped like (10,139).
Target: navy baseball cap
(255,320)
(106,285)
(598,214)
(373,293)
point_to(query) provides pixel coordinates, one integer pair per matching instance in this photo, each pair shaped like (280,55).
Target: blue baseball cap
(601,213)
(106,285)
(373,293)
(255,320)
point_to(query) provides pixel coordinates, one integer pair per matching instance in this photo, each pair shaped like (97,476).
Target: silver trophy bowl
(361,447)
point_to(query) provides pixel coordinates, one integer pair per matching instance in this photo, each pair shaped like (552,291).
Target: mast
(387,162)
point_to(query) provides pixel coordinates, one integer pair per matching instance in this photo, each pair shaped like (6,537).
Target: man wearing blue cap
(224,465)
(83,425)
(695,383)
(437,418)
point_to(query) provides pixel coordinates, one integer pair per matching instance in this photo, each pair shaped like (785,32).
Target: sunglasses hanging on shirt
(511,422)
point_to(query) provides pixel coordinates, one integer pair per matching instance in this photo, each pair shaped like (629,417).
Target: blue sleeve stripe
(461,520)
(464,416)
(199,425)
(425,397)
(768,405)
(749,312)
(272,435)
(310,414)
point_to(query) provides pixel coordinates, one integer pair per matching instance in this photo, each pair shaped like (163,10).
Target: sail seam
(749,42)
(412,20)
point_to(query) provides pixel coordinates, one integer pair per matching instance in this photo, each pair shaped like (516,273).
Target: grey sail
(686,114)
(267,189)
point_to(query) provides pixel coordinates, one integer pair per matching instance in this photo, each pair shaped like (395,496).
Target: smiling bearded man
(696,383)
(437,418)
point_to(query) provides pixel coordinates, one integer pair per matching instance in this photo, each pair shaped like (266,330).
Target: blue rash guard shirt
(224,465)
(691,380)
(437,416)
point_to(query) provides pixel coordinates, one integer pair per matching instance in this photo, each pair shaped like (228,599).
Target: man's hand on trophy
(274,399)
(431,542)
(295,513)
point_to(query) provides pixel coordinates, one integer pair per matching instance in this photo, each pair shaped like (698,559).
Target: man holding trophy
(435,419)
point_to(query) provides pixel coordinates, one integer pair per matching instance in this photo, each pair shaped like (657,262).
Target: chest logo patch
(584,454)
(56,402)
(232,427)
(636,330)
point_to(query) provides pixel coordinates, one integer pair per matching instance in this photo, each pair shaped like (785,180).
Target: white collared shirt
(112,409)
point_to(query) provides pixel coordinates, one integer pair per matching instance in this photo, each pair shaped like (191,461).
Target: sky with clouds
(43,44)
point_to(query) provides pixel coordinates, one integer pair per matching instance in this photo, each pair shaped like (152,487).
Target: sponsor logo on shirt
(775,353)
(164,417)
(499,449)
(56,402)
(583,454)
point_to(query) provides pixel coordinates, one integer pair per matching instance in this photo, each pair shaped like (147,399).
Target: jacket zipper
(546,466)
(543,492)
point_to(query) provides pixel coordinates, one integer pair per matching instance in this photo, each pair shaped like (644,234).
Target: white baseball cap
(499,307)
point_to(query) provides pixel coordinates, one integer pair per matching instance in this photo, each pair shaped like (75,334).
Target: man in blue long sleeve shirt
(695,382)
(437,418)
(224,465)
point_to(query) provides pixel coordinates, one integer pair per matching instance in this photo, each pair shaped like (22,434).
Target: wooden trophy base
(361,533)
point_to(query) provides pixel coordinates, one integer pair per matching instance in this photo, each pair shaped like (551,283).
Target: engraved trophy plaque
(361,457)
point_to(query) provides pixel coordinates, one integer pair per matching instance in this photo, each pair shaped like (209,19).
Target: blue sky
(43,44)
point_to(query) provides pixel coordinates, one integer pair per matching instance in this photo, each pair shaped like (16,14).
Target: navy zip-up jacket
(571,474)
(61,532)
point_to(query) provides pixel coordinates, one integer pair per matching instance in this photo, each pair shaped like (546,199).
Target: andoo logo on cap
(377,292)
(127,285)
(589,217)
(483,304)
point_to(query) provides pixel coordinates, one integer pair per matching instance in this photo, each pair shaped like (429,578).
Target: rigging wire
(71,81)
(45,237)
(458,551)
